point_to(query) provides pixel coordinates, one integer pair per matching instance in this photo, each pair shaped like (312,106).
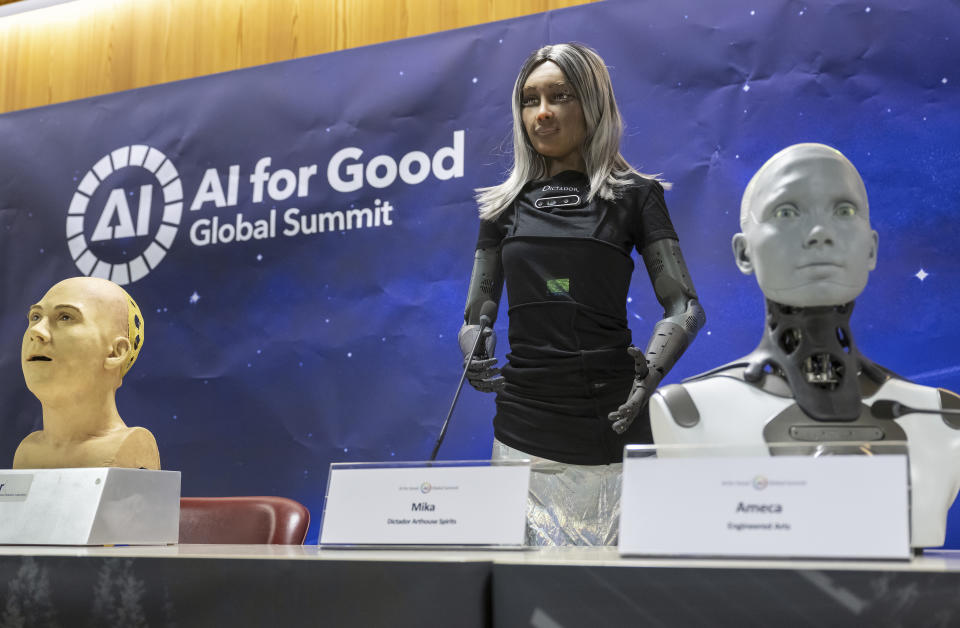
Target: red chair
(243,520)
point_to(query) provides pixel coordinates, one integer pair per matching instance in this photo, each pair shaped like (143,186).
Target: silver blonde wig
(606,167)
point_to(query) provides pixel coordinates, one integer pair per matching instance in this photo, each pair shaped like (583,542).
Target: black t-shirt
(567,266)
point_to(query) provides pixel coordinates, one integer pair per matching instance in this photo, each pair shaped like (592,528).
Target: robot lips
(817,271)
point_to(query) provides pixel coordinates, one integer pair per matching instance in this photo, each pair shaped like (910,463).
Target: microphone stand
(484,331)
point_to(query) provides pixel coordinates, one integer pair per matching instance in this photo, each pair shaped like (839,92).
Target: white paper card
(436,505)
(783,506)
(89,506)
(15,487)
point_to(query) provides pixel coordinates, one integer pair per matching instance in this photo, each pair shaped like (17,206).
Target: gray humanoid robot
(559,231)
(806,235)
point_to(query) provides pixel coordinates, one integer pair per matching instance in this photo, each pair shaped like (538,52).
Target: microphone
(890,409)
(487,311)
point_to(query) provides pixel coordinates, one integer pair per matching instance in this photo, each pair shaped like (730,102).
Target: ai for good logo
(113,205)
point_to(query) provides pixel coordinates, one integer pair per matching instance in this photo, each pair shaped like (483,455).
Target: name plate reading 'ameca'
(440,503)
(697,504)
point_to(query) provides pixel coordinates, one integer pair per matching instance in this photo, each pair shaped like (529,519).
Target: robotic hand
(482,372)
(645,381)
(486,285)
(682,319)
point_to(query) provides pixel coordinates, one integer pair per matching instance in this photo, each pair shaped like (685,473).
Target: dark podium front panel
(548,596)
(262,585)
(63,591)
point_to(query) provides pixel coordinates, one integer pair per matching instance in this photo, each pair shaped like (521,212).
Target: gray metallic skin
(682,318)
(807,237)
(486,284)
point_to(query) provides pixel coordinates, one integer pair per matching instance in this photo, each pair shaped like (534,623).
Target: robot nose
(39,331)
(818,236)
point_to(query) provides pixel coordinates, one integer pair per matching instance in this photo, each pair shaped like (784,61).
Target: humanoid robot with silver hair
(806,235)
(560,232)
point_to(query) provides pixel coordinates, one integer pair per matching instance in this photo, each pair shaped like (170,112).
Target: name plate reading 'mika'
(785,506)
(415,504)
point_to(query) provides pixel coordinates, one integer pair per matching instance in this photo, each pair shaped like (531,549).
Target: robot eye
(845,210)
(786,211)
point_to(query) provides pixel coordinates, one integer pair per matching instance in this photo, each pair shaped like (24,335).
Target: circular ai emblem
(760,482)
(426,487)
(128,237)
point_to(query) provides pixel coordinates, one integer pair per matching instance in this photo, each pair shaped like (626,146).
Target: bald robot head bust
(805,228)
(82,337)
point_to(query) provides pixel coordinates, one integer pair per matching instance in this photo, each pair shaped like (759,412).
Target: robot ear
(119,352)
(741,254)
(873,251)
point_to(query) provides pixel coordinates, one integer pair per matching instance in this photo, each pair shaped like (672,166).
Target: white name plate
(95,506)
(415,504)
(784,506)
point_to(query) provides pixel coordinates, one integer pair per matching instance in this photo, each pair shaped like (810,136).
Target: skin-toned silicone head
(77,340)
(570,80)
(553,118)
(806,228)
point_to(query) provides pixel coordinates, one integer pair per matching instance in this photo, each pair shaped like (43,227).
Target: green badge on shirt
(558,286)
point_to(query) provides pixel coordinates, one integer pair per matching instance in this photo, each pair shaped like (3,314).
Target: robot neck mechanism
(812,349)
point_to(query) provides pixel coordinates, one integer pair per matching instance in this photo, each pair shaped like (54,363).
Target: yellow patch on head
(134,332)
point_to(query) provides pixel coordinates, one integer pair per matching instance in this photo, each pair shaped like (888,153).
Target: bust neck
(81,418)
(813,349)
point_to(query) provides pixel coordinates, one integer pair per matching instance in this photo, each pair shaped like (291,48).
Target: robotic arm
(682,319)
(486,284)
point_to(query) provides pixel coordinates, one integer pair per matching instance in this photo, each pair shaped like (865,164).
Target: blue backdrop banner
(300,235)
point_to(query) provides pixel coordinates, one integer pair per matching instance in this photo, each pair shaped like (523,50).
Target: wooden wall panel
(92,47)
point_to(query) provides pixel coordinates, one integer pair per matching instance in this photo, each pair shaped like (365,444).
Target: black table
(254,585)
